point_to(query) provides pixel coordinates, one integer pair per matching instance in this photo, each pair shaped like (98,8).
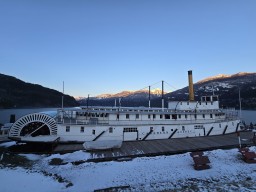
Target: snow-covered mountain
(126,96)
(78,98)
(226,87)
(141,93)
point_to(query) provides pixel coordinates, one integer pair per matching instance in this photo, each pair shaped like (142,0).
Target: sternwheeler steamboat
(107,127)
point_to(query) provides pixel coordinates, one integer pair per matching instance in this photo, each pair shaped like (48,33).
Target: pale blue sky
(106,46)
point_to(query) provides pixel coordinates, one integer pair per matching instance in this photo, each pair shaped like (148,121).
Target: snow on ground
(70,157)
(19,179)
(7,144)
(228,173)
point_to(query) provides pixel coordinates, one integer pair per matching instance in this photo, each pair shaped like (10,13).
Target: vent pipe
(191,87)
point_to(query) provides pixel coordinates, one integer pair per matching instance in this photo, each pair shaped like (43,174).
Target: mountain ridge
(226,86)
(15,93)
(224,76)
(156,91)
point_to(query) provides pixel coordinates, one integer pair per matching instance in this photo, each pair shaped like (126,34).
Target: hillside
(19,94)
(225,86)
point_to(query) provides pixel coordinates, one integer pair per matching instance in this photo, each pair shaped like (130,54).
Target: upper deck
(206,103)
(206,110)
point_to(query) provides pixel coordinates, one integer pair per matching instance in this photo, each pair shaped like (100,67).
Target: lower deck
(132,149)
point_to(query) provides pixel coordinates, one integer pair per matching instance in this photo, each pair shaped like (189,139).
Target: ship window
(179,116)
(127,116)
(130,129)
(149,116)
(174,116)
(154,116)
(195,116)
(111,130)
(151,128)
(117,116)
(67,128)
(220,125)
(186,116)
(82,129)
(205,103)
(161,116)
(162,128)
(137,116)
(93,131)
(171,129)
(210,115)
(106,115)
(203,115)
(183,128)
(167,116)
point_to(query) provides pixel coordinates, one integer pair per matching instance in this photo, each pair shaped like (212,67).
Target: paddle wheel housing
(33,125)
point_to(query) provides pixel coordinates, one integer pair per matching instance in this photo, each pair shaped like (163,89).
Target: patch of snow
(31,157)
(216,86)
(20,180)
(71,157)
(224,85)
(8,144)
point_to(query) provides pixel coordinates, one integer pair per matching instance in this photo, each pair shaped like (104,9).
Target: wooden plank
(164,146)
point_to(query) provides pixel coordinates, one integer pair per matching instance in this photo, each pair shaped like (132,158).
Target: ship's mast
(240,105)
(62,100)
(88,101)
(162,95)
(149,97)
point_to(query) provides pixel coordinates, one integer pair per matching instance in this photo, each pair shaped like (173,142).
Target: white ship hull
(134,132)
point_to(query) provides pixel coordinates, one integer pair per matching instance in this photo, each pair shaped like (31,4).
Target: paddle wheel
(33,125)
